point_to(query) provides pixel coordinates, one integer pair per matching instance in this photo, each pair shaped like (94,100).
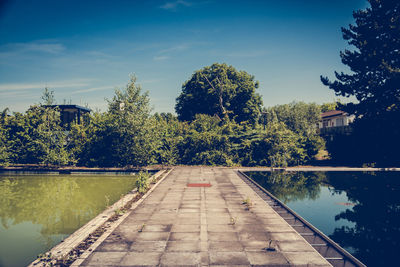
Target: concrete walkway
(204,226)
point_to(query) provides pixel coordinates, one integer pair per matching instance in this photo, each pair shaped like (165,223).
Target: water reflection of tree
(290,186)
(376,234)
(59,204)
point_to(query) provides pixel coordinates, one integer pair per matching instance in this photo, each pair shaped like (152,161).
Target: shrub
(142,182)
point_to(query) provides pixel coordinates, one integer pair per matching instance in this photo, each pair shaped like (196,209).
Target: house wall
(336,121)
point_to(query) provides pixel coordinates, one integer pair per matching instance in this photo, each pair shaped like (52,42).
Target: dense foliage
(375,61)
(33,137)
(374,82)
(127,134)
(300,118)
(220,90)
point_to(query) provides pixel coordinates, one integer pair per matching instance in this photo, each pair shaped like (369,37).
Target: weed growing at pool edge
(270,246)
(107,200)
(119,211)
(142,183)
(46,259)
(247,202)
(142,228)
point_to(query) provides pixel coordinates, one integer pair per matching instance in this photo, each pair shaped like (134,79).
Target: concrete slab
(225,246)
(105,258)
(267,259)
(141,259)
(148,246)
(178,225)
(185,228)
(114,246)
(176,246)
(182,236)
(229,258)
(181,259)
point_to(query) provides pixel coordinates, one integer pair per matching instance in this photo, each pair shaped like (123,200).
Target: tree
(298,116)
(133,125)
(329,106)
(205,143)
(48,97)
(302,119)
(375,83)
(3,139)
(52,138)
(126,134)
(375,61)
(169,130)
(36,137)
(220,90)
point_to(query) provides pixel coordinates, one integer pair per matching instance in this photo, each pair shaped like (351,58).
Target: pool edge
(61,250)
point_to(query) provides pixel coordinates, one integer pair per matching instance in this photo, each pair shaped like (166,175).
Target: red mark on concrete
(199,185)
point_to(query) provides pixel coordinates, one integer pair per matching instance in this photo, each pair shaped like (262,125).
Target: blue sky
(84,49)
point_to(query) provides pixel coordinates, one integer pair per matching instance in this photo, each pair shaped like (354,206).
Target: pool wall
(331,251)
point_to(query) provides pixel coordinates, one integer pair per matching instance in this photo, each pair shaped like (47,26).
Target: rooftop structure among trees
(70,113)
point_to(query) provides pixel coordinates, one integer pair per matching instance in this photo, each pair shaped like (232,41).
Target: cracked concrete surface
(178,225)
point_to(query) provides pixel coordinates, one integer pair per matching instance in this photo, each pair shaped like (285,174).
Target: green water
(358,210)
(38,211)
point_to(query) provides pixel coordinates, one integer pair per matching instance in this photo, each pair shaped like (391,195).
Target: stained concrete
(178,225)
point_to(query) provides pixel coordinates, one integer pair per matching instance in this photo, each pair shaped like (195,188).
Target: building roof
(332,113)
(69,107)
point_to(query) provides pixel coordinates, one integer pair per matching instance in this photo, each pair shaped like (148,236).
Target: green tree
(301,118)
(52,138)
(126,134)
(48,97)
(298,116)
(170,134)
(329,106)
(204,143)
(220,90)
(375,61)
(36,137)
(135,128)
(283,146)
(4,156)
(374,82)
(97,149)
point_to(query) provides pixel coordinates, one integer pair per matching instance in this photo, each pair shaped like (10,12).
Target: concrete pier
(180,225)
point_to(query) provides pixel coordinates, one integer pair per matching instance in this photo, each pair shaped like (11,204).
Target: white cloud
(247,54)
(18,94)
(159,58)
(166,53)
(42,85)
(35,46)
(47,48)
(173,5)
(94,89)
(148,81)
(179,47)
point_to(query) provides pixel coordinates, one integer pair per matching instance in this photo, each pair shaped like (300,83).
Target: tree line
(128,134)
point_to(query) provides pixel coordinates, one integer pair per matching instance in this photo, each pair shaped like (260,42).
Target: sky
(83,50)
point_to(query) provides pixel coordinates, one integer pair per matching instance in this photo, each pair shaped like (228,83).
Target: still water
(358,210)
(38,211)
